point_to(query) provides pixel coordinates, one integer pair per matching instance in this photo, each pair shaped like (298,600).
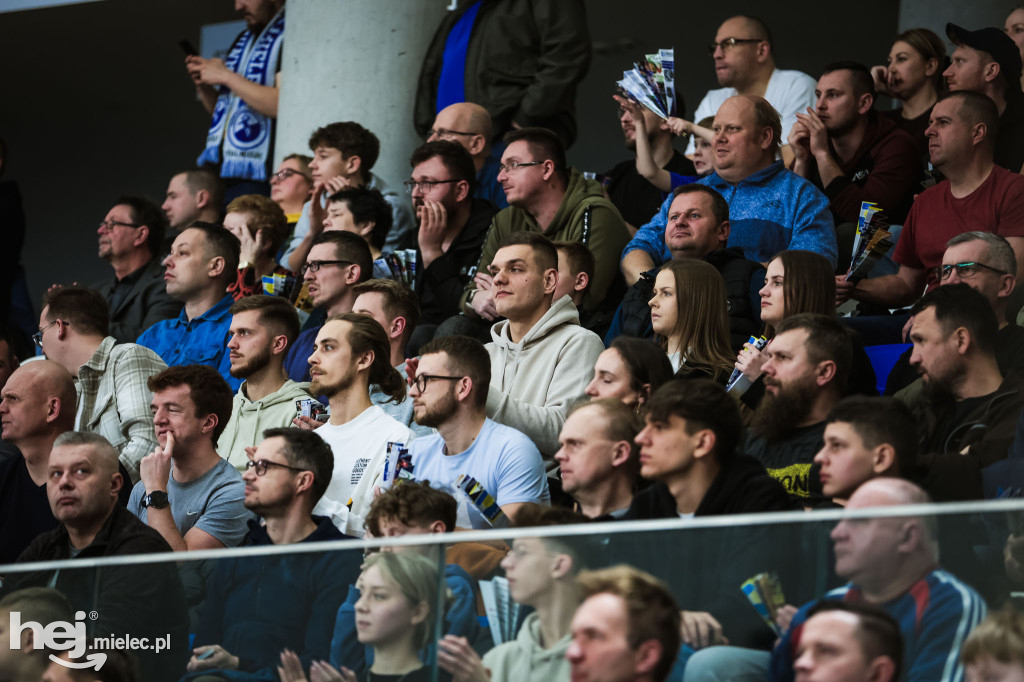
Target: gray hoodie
(250,418)
(534,381)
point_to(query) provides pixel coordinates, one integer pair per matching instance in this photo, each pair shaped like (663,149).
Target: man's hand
(155,468)
(1013,558)
(412,365)
(817,134)
(800,143)
(456,657)
(700,629)
(220,659)
(844,290)
(306,424)
(483,301)
(207,71)
(784,616)
(317,210)
(635,111)
(433,219)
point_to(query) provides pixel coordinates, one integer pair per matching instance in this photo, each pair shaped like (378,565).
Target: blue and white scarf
(248,133)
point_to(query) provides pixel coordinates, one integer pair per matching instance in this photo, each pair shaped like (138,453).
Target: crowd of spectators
(306,354)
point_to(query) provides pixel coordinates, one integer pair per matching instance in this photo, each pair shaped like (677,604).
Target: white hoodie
(534,381)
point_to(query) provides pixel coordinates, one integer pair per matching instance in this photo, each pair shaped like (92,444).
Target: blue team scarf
(246,143)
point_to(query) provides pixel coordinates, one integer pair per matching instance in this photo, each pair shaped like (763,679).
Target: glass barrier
(231,614)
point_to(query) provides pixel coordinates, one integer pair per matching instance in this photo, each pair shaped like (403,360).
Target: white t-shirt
(789,92)
(360,449)
(504,461)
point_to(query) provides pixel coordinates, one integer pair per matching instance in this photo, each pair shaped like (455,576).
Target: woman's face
(909,71)
(773,307)
(289,186)
(1014,28)
(664,305)
(702,156)
(383,614)
(612,379)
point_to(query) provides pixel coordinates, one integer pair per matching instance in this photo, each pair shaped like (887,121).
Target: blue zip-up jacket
(203,340)
(770,211)
(935,616)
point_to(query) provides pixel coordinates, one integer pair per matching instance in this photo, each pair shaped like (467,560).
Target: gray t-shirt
(213,503)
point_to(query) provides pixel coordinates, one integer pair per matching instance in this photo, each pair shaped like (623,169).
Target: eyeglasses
(109,225)
(731,42)
(38,336)
(262,464)
(315,265)
(286,173)
(425,185)
(963,270)
(422,379)
(444,133)
(515,165)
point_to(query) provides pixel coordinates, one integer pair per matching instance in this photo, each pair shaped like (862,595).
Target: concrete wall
(355,60)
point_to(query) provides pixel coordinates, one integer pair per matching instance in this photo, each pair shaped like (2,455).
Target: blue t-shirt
(504,461)
(296,363)
(771,210)
(203,340)
(487,185)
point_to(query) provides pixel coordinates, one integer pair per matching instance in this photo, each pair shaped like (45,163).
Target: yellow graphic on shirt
(795,479)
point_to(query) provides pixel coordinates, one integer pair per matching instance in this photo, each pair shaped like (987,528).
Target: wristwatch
(156,499)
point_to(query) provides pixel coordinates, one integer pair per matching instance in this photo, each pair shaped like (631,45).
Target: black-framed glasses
(443,133)
(423,379)
(315,265)
(286,173)
(964,270)
(731,42)
(38,336)
(261,466)
(109,225)
(425,185)
(515,165)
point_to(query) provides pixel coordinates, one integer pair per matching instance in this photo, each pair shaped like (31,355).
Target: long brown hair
(702,317)
(808,285)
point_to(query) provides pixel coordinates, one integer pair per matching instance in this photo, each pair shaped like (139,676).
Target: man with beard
(850,152)
(809,362)
(263,329)
(450,394)
(452,228)
(350,354)
(337,262)
(243,627)
(187,492)
(969,409)
(635,197)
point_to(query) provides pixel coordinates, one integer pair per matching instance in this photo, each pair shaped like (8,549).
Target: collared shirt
(114,398)
(200,341)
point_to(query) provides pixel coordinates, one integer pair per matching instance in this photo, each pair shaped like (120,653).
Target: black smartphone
(190,50)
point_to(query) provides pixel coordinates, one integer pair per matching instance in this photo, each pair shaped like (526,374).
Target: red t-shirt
(937,216)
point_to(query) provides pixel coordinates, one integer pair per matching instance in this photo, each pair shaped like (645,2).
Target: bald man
(891,563)
(470,125)
(82,485)
(743,53)
(38,404)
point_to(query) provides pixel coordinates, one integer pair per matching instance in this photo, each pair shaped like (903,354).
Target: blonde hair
(416,577)
(1000,636)
(702,314)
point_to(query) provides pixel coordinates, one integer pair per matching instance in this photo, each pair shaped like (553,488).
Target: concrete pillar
(355,60)
(933,15)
